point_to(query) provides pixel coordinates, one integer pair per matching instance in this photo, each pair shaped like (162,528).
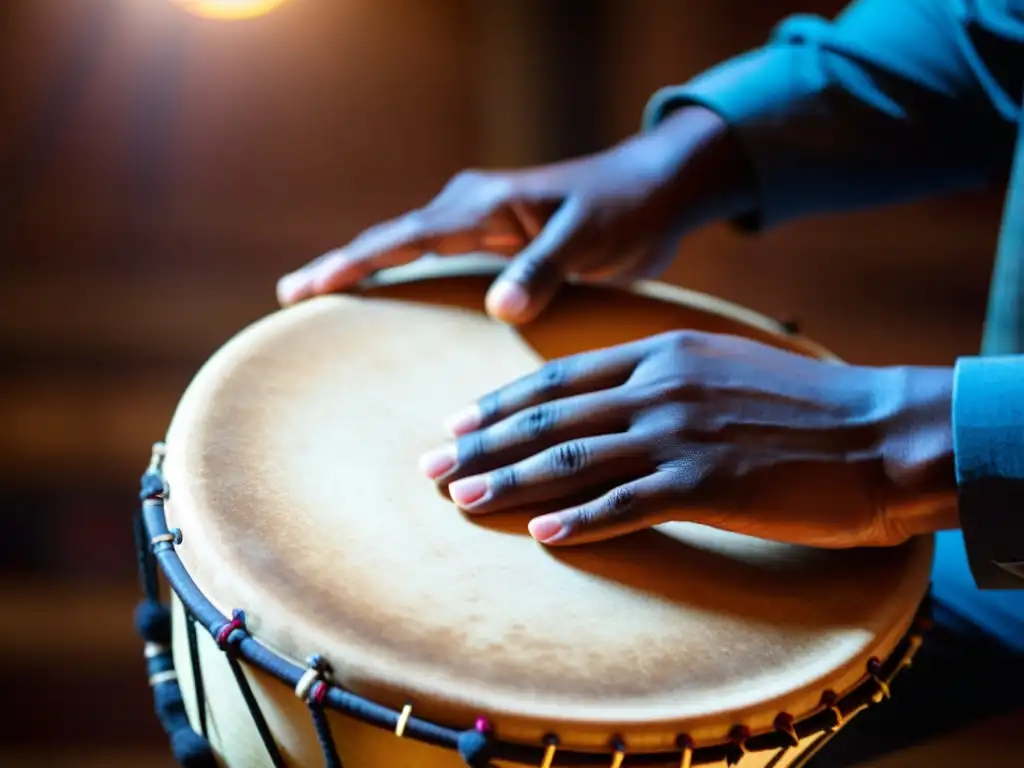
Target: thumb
(531,280)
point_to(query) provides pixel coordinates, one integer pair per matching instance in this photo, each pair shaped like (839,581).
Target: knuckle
(689,337)
(536,422)
(622,502)
(680,422)
(467,177)
(471,448)
(503,480)
(535,270)
(412,224)
(686,340)
(660,417)
(685,477)
(568,458)
(490,405)
(617,505)
(487,189)
(552,377)
(586,517)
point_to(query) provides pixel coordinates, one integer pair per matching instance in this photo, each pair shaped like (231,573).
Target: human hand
(614,217)
(712,429)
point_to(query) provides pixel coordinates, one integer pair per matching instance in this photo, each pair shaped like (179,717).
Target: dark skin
(716,430)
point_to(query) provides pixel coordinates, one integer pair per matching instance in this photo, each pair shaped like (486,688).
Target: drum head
(292,468)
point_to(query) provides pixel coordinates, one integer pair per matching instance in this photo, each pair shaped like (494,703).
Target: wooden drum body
(293,494)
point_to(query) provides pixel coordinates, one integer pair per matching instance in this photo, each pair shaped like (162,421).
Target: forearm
(882,105)
(704,173)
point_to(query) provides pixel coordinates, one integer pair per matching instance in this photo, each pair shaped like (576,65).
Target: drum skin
(292,466)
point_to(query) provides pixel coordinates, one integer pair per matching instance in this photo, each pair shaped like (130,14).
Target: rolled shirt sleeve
(888,102)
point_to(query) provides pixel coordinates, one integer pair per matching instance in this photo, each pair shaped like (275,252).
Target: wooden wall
(158,172)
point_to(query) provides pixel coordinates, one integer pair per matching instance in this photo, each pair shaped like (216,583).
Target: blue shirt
(890,101)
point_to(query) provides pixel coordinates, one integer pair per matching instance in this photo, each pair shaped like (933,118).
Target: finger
(562,470)
(529,431)
(636,505)
(556,379)
(390,244)
(387,244)
(533,278)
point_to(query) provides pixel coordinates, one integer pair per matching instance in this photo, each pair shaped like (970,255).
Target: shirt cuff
(988,445)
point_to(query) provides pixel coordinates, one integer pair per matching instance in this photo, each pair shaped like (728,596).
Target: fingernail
(468,490)
(464,421)
(438,462)
(507,300)
(545,528)
(290,287)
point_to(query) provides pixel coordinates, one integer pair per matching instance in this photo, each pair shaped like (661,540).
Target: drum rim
(485,265)
(260,656)
(232,637)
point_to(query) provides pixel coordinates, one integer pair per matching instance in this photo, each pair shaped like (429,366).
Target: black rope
(312,689)
(147,565)
(153,624)
(225,639)
(197,670)
(324,735)
(476,746)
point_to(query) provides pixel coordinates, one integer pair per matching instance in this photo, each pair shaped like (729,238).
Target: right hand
(610,217)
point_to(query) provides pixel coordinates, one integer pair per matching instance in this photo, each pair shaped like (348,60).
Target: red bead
(482,725)
(319,691)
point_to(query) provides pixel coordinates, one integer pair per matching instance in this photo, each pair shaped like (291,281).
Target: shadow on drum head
(726,574)
(684,564)
(579,318)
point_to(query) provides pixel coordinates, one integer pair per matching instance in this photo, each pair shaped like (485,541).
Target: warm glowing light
(231,10)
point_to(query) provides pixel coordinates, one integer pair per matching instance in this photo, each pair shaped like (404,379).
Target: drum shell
(237,744)
(231,727)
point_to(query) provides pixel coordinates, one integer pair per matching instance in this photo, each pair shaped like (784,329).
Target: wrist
(701,172)
(917,449)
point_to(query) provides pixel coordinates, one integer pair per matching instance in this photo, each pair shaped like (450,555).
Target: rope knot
(232,632)
(312,687)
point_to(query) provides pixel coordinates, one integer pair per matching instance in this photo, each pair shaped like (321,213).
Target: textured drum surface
(292,464)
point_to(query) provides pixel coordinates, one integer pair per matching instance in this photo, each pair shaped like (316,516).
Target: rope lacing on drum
(156,544)
(228,639)
(686,746)
(784,723)
(197,670)
(153,624)
(550,749)
(737,744)
(312,689)
(475,746)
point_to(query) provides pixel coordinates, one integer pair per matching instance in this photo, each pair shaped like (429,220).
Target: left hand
(717,430)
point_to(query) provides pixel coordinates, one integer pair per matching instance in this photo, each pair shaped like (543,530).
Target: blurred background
(159,170)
